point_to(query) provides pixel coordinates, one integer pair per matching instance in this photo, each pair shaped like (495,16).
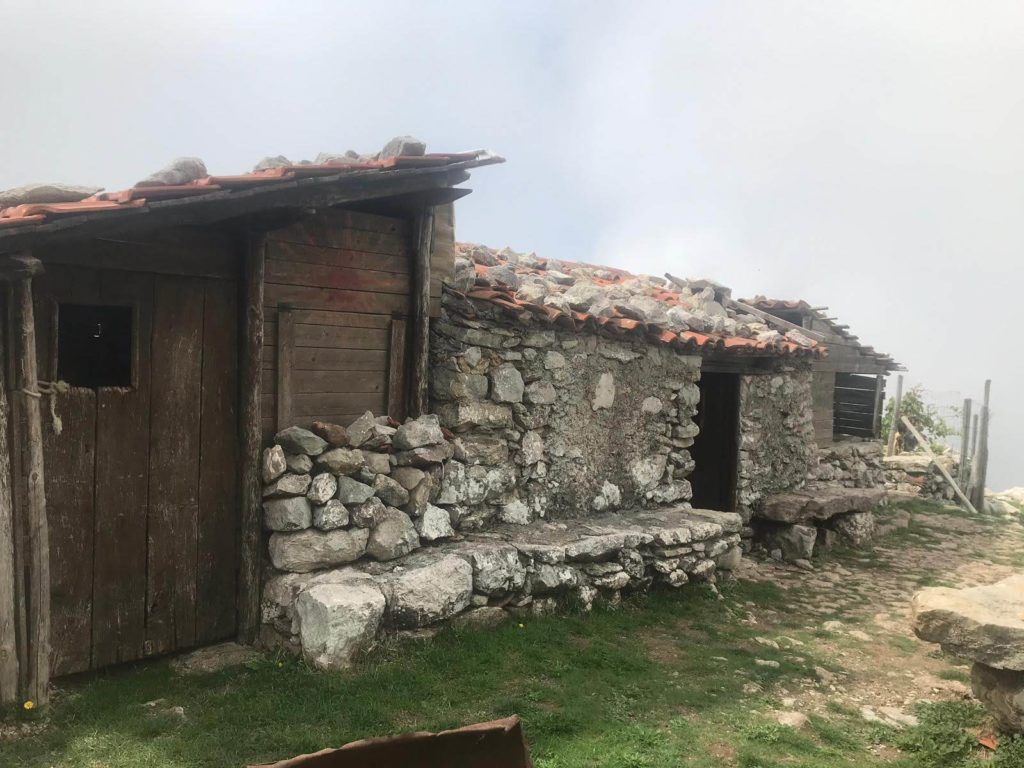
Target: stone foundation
(332,616)
(851,463)
(914,475)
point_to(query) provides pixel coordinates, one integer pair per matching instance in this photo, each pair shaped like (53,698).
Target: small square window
(94,345)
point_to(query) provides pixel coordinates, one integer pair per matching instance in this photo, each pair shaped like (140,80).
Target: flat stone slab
(984,624)
(594,537)
(818,504)
(213,658)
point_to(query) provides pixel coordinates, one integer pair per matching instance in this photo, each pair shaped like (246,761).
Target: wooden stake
(974,435)
(8,613)
(38,538)
(942,469)
(891,448)
(979,467)
(251,441)
(965,444)
(421,314)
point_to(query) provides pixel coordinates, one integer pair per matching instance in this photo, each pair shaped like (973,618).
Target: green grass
(649,684)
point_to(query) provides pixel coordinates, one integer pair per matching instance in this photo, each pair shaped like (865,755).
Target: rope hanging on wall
(52,388)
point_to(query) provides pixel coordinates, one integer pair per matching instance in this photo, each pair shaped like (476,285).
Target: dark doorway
(715,450)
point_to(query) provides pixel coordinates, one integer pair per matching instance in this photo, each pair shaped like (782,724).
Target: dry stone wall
(852,463)
(777,447)
(551,423)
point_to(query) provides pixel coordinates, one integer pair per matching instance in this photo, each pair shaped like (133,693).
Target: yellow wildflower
(29,704)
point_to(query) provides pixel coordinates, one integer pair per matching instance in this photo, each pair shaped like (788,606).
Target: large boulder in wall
(338,621)
(427,590)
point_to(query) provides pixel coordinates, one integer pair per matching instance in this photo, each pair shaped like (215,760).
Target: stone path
(855,610)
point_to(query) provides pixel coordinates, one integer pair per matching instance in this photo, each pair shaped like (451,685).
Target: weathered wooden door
(140,460)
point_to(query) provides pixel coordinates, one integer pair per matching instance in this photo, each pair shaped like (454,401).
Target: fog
(861,155)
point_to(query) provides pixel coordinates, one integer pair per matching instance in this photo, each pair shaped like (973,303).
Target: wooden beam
(891,447)
(979,468)
(8,612)
(952,483)
(876,422)
(965,445)
(285,366)
(421,313)
(250,438)
(38,536)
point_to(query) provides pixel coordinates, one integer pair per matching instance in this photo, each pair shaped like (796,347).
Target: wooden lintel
(250,439)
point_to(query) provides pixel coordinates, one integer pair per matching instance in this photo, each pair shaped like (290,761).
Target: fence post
(965,444)
(891,448)
(979,468)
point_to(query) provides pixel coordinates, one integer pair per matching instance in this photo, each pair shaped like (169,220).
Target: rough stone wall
(550,423)
(777,446)
(851,463)
(915,474)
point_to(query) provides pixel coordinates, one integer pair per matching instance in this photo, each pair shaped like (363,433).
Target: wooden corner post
(9,667)
(250,438)
(34,656)
(421,313)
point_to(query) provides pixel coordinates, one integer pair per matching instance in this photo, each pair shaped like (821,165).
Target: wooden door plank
(69,484)
(322,276)
(308,297)
(309,382)
(300,253)
(174,464)
(122,487)
(315,359)
(218,475)
(397,387)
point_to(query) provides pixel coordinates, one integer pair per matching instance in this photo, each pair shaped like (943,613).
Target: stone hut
(588,433)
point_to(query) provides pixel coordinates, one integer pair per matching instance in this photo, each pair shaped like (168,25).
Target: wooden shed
(849,384)
(153,340)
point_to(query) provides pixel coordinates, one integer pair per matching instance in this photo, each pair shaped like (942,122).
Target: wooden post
(876,422)
(421,313)
(37,557)
(979,468)
(965,442)
(285,366)
(251,440)
(938,466)
(891,448)
(974,436)
(8,612)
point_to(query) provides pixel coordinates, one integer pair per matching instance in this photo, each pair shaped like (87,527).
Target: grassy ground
(668,680)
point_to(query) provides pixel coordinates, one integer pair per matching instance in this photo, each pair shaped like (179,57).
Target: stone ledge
(819,504)
(331,616)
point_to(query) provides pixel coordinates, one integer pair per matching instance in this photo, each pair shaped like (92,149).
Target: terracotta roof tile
(488,283)
(137,197)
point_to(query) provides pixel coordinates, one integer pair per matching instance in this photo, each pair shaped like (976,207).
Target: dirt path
(856,610)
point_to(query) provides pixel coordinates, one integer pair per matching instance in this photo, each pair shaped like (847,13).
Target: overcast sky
(862,155)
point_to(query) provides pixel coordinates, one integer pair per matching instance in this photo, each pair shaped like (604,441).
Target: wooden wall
(823,385)
(337,301)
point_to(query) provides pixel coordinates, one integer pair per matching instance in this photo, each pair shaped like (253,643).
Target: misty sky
(862,155)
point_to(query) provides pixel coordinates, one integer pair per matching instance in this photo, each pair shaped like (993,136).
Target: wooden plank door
(142,479)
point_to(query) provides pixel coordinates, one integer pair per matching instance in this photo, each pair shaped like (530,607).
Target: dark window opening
(94,345)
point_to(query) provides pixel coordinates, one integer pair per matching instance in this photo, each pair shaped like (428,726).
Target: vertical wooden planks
(218,475)
(250,439)
(285,366)
(122,486)
(71,455)
(174,464)
(396,370)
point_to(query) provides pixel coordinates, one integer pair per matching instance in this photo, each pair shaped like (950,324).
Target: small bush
(940,739)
